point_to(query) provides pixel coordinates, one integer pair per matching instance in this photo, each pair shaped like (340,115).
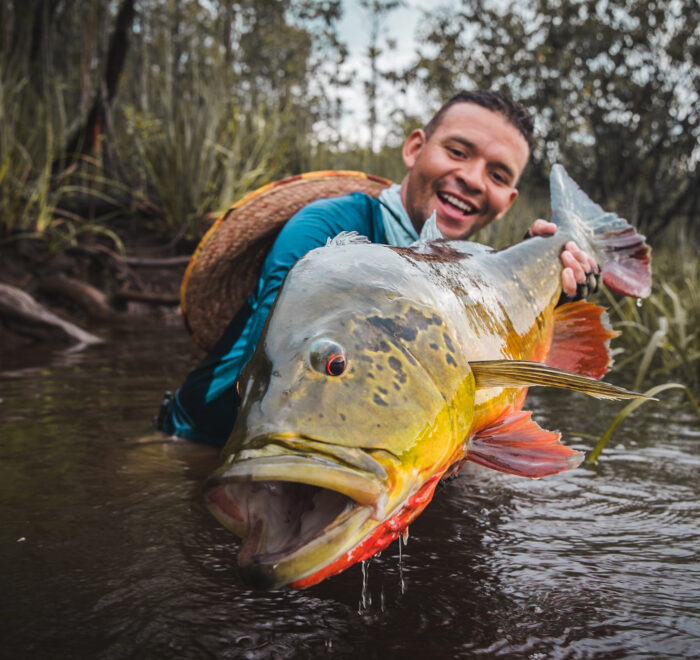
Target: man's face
(466,171)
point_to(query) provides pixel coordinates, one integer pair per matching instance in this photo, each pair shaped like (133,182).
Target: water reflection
(108,552)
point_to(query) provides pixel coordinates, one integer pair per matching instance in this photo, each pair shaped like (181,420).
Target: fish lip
(287,457)
(365,489)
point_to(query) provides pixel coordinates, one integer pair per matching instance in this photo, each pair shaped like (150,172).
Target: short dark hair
(515,113)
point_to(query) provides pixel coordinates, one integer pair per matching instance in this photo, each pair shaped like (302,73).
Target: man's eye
(500,177)
(456,152)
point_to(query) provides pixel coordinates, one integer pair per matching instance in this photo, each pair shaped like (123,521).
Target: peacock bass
(382,370)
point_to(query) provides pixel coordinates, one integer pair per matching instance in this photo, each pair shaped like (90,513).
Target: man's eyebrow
(470,145)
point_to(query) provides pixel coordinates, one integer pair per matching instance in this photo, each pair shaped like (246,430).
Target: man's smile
(464,206)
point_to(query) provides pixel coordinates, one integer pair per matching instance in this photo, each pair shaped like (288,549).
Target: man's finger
(571,262)
(568,282)
(542,228)
(587,262)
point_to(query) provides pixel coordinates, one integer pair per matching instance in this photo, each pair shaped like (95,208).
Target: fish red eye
(336,365)
(327,356)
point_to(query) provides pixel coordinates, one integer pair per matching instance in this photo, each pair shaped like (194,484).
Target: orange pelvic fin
(514,443)
(581,339)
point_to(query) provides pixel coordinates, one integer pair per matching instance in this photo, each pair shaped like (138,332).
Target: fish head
(353,405)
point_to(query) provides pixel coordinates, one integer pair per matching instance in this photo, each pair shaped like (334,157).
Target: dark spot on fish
(448,342)
(382,390)
(417,319)
(434,346)
(379,426)
(450,360)
(380,367)
(379,401)
(320,415)
(436,319)
(363,357)
(395,363)
(396,386)
(370,375)
(395,329)
(342,416)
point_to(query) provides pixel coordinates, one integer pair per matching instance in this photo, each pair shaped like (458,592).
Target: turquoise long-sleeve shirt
(204,408)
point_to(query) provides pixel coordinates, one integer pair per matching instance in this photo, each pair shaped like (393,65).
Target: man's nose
(472,173)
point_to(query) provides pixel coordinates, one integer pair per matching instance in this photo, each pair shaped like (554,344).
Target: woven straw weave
(224,268)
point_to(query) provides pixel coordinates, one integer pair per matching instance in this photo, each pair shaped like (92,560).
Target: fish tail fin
(581,339)
(623,254)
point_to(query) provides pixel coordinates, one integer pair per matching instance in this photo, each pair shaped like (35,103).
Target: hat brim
(225,266)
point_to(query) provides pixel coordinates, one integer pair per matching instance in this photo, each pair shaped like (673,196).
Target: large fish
(382,370)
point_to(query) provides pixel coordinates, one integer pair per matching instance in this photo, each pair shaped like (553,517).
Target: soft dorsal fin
(581,339)
(514,443)
(346,238)
(521,373)
(430,231)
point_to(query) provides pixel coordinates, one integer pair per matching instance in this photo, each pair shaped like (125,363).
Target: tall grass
(193,156)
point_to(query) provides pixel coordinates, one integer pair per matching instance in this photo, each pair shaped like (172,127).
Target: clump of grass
(630,408)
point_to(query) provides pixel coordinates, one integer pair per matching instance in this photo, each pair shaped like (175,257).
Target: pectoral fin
(520,373)
(517,445)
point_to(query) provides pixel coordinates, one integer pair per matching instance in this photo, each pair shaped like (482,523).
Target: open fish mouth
(295,513)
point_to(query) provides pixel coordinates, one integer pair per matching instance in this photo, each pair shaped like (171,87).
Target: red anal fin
(514,443)
(581,339)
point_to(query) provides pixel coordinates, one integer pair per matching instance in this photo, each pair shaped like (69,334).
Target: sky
(400,26)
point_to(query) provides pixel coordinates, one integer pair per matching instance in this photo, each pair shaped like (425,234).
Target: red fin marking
(581,339)
(514,443)
(626,264)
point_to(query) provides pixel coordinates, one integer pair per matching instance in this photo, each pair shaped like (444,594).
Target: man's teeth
(462,206)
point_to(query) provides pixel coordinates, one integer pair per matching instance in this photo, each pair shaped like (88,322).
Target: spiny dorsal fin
(347,238)
(430,231)
(521,373)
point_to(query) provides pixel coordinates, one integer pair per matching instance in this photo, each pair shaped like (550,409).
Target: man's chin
(458,230)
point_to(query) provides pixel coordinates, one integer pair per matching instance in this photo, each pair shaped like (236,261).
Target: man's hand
(580,269)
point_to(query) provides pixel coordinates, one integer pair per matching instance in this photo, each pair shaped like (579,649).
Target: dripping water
(365,597)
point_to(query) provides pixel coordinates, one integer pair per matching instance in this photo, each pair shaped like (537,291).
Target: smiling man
(464,165)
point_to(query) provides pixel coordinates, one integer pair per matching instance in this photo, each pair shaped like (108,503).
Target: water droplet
(401,580)
(639,302)
(366,597)
(404,536)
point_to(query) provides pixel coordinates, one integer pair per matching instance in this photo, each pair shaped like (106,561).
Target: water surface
(107,551)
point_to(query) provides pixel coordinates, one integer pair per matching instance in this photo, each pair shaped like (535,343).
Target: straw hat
(225,266)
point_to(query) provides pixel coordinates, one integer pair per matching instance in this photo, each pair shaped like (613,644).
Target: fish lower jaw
(288,529)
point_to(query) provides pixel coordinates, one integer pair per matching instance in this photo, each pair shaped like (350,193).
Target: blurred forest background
(164,112)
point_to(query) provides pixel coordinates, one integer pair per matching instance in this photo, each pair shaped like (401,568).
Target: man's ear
(412,146)
(513,196)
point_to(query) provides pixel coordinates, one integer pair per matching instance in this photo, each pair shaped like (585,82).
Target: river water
(107,551)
